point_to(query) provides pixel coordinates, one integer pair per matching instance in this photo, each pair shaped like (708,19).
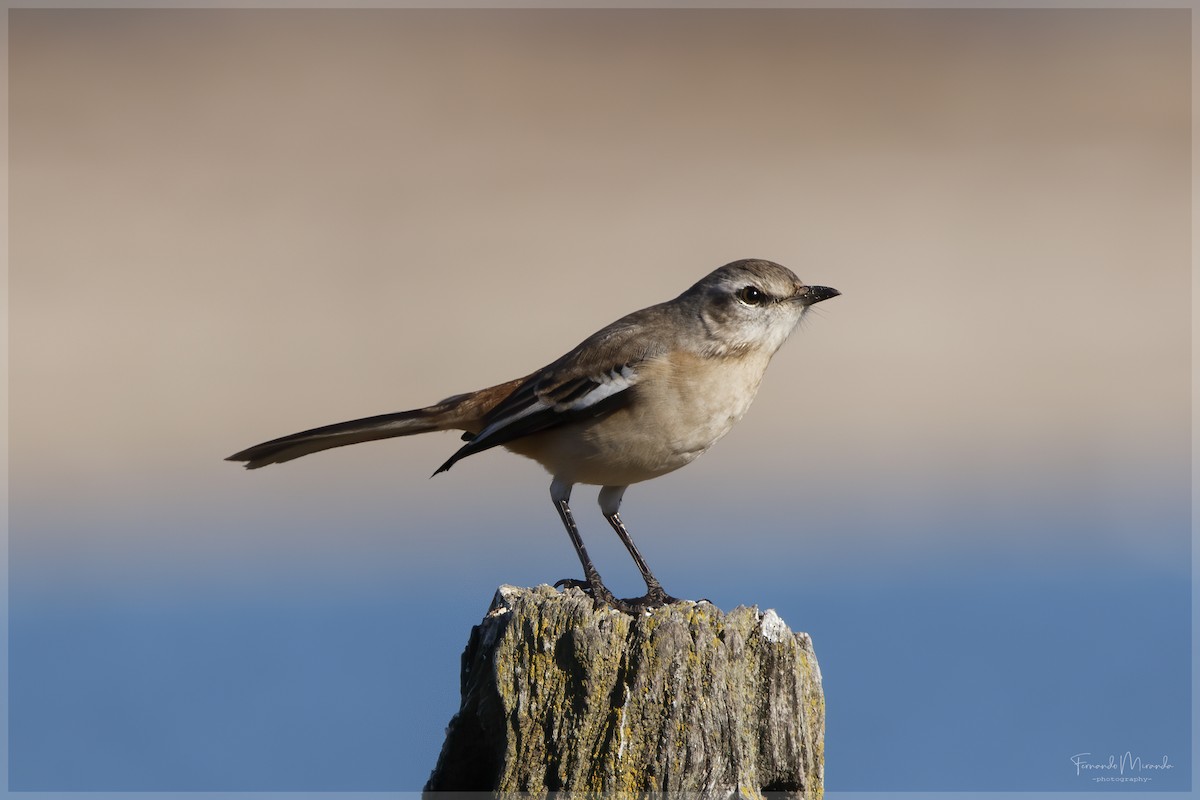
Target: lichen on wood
(561,696)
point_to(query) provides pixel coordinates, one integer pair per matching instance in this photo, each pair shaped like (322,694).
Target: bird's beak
(815,294)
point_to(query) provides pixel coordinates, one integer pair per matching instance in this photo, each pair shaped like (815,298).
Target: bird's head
(752,305)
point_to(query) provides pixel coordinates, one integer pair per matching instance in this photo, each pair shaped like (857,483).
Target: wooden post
(559,696)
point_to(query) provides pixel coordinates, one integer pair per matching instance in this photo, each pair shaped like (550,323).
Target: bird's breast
(692,401)
(681,406)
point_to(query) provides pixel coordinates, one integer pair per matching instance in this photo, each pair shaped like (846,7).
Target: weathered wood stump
(559,696)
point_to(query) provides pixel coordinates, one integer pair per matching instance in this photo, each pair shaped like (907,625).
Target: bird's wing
(596,378)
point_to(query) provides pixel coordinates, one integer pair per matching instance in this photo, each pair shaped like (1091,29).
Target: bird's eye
(751,296)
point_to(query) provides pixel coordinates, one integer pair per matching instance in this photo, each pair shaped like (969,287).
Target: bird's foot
(655,597)
(597,591)
(656,593)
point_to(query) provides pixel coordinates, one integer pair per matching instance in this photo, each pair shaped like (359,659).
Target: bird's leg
(610,502)
(654,589)
(561,494)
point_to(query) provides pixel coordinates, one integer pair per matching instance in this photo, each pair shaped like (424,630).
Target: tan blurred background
(227,226)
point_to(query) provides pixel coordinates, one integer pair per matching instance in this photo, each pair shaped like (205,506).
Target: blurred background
(967,477)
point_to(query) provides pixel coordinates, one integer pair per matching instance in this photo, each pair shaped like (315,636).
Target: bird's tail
(460,412)
(384,426)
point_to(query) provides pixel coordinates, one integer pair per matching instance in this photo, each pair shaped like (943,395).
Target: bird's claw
(654,598)
(595,590)
(573,583)
(600,595)
(650,600)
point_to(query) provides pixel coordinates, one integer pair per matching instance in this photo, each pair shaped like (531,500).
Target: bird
(638,399)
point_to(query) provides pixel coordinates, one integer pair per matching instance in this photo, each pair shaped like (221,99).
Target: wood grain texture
(559,696)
